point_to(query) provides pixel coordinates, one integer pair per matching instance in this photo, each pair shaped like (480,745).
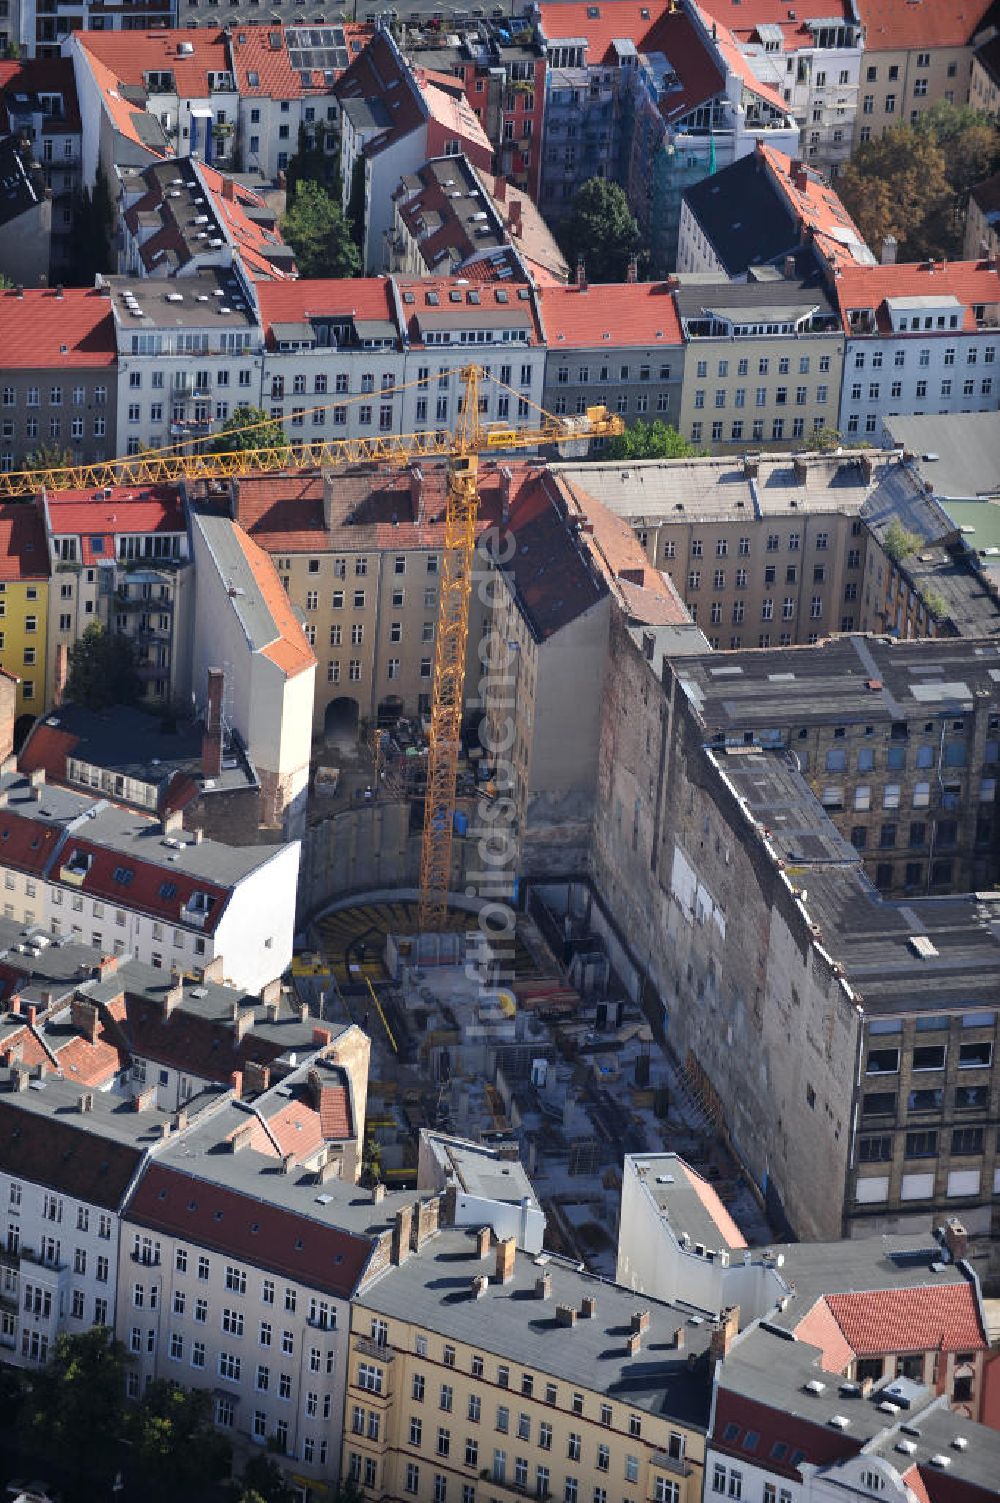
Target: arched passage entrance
(340,722)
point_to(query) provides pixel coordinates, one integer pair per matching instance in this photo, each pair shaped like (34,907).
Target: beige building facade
(511,1374)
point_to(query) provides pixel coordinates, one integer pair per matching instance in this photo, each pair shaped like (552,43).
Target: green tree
(316,160)
(175,1442)
(970,141)
(823,441)
(249,428)
(263,1481)
(48,456)
(648,441)
(897,542)
(102,670)
(601,231)
(74,1408)
(315,227)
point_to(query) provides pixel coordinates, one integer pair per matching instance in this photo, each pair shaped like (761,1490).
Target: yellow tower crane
(461,449)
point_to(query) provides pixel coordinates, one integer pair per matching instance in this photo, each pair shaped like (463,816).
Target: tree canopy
(601,231)
(315,227)
(316,160)
(249,428)
(262,1481)
(175,1442)
(648,441)
(102,670)
(914,181)
(74,1409)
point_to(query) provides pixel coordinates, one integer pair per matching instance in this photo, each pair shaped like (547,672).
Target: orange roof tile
(48,75)
(90,1064)
(819,1328)
(709,1198)
(289,651)
(294,301)
(738,63)
(909,1320)
(626,313)
(130,55)
(898,24)
(811,200)
(40,329)
(275,78)
(296,1129)
(753,13)
(24,550)
(971,282)
(122,112)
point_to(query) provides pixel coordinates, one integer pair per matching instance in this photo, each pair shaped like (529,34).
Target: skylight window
(168,889)
(123,875)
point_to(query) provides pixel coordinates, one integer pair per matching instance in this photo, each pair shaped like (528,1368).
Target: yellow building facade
(24,602)
(478,1372)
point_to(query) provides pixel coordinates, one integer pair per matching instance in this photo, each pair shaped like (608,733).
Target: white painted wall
(254,935)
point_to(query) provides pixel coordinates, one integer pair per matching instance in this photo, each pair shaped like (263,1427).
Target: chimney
(271,992)
(59,291)
(566,1315)
(788,270)
(543,1286)
(514,218)
(890,247)
(639,1321)
(956,1239)
(3,798)
(36,782)
(679,1339)
(506,1253)
(751,466)
(800,177)
(484,1241)
(85,1018)
(197,835)
(588,1307)
(581,276)
(801,469)
(400,1247)
(256,1077)
(236,1083)
(243,1024)
(867,464)
(634,1343)
(22,1076)
(172,822)
(500,189)
(229,189)
(32,1015)
(724,1333)
(211,744)
(180,1119)
(242,1137)
(506,480)
(61,673)
(86,1102)
(15,1006)
(480,1284)
(416,491)
(632,270)
(378,1193)
(19,290)
(322,1037)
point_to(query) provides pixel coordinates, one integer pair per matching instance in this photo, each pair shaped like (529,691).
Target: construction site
(548,1057)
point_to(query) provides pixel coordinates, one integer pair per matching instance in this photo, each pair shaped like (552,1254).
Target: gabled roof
(613,316)
(115,876)
(45,329)
(65,1158)
(553,580)
(942,1318)
(736,62)
(26,844)
(971,282)
(450,302)
(780,1436)
(131,55)
(32,76)
(249,1230)
(24,549)
(289,650)
(265,70)
(891,25)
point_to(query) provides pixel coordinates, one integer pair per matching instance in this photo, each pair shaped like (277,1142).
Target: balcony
(74,871)
(678,1465)
(380,1351)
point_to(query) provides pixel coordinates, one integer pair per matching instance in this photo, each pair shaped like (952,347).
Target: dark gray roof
(847,680)
(743,217)
(789,295)
(966,446)
(434,1287)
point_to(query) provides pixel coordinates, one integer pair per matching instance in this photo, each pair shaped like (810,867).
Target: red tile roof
(143,891)
(921,1319)
(289,651)
(612,316)
(249,1229)
(49,1151)
(552,578)
(899,24)
(203,1046)
(370,76)
(46,747)
(294,302)
(737,63)
(276,78)
(24,549)
(970,282)
(497,299)
(819,1328)
(334,1112)
(90,1064)
(129,509)
(753,13)
(43,75)
(41,329)
(815,205)
(26,844)
(130,55)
